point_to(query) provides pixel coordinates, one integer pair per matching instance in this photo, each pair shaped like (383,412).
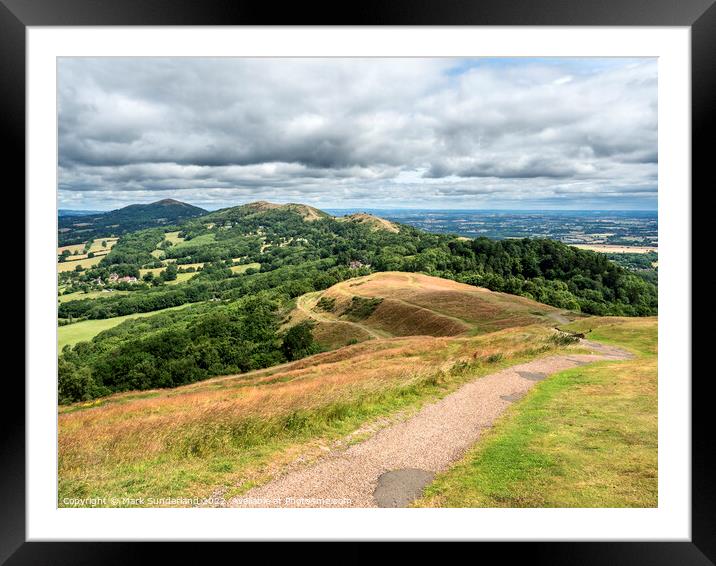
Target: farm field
(196,265)
(181,277)
(96,247)
(91,295)
(71,248)
(71,334)
(614,249)
(173,237)
(72,265)
(244,267)
(200,240)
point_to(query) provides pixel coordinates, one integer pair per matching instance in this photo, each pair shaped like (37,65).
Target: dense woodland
(234,322)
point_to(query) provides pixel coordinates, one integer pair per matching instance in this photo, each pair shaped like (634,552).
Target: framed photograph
(422,275)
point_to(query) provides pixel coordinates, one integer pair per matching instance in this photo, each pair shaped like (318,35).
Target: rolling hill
(250,266)
(191,400)
(394,304)
(166,212)
(372,221)
(265,209)
(426,338)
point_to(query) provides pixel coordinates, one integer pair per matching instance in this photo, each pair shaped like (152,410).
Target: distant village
(115,278)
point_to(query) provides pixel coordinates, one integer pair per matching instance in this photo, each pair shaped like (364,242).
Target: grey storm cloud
(439,132)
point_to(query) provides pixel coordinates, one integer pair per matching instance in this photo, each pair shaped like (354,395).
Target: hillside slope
(76,228)
(394,304)
(373,222)
(261,208)
(240,431)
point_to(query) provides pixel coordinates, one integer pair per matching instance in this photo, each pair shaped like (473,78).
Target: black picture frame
(16,15)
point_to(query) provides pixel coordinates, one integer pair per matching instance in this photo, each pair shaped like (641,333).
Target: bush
(563,339)
(494,358)
(361,308)
(326,304)
(298,342)
(75,384)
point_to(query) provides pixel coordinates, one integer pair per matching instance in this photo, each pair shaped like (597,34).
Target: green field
(243,268)
(196,265)
(96,248)
(72,248)
(173,237)
(88,329)
(201,240)
(586,437)
(80,295)
(71,265)
(181,277)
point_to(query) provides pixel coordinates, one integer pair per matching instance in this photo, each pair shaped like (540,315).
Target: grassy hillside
(237,431)
(277,236)
(393,304)
(373,222)
(74,229)
(399,316)
(71,334)
(85,263)
(584,438)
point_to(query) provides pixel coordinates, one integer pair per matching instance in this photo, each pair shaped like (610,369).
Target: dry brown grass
(401,318)
(332,335)
(614,249)
(85,263)
(226,430)
(416,304)
(126,440)
(374,222)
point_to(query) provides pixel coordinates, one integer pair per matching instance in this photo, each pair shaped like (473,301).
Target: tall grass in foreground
(586,437)
(236,432)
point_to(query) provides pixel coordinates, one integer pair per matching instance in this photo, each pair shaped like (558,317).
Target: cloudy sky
(377,133)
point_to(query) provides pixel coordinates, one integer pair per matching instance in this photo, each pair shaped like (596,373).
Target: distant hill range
(77,226)
(71,212)
(264,208)
(82,226)
(269,210)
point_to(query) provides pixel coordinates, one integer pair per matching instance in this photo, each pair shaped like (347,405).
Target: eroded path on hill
(307,305)
(391,468)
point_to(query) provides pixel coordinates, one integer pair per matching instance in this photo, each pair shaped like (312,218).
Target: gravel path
(391,468)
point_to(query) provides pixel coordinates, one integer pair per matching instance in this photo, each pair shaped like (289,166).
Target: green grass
(173,237)
(243,268)
(586,437)
(181,277)
(200,240)
(88,329)
(85,263)
(80,295)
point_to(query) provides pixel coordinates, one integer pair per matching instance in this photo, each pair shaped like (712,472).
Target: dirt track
(391,468)
(307,303)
